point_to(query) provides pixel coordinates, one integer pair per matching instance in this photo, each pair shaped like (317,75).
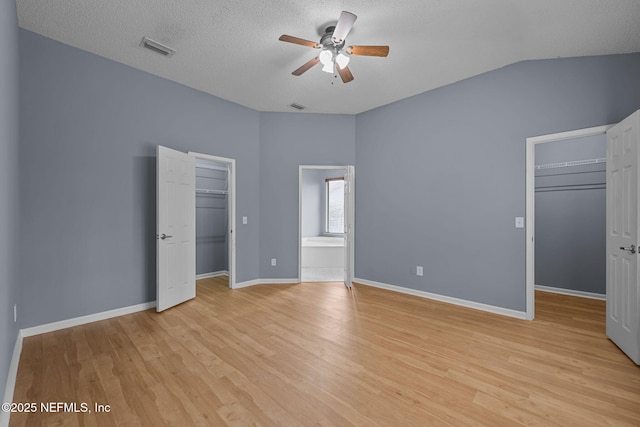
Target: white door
(176,261)
(623,322)
(349,219)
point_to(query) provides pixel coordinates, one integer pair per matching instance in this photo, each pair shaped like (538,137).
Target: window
(335,206)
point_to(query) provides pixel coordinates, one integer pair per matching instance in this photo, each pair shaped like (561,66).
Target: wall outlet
(419,270)
(273,262)
(244,220)
(15,313)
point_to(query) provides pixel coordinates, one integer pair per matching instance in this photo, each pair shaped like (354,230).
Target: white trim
(11,379)
(246,284)
(571,292)
(266,282)
(279,281)
(76,321)
(443,298)
(213,274)
(530,202)
(231,211)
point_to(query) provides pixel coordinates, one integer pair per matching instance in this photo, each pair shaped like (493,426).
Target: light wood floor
(318,354)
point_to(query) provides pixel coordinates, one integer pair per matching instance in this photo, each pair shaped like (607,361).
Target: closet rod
(211,177)
(206,191)
(570,164)
(551,190)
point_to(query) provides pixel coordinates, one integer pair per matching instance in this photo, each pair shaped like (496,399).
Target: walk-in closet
(212,228)
(570,205)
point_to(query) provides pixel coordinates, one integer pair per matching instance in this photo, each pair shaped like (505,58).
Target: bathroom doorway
(326,224)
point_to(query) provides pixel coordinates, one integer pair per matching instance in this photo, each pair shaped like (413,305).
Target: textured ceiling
(230,48)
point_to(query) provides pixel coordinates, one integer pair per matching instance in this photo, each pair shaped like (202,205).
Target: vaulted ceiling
(230,48)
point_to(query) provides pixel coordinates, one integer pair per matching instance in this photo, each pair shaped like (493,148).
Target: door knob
(631,249)
(164,236)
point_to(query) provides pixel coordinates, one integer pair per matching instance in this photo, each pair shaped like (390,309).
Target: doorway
(215,217)
(554,182)
(325,224)
(176,223)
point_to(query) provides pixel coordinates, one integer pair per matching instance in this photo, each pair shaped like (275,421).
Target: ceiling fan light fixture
(328,68)
(342,60)
(326,57)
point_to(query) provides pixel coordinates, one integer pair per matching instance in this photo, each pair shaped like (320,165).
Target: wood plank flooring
(319,354)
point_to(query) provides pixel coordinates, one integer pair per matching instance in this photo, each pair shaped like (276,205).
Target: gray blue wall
(288,140)
(9,201)
(454,162)
(89,129)
(312,203)
(440,176)
(570,216)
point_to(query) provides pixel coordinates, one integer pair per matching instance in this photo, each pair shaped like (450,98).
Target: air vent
(297,106)
(157,47)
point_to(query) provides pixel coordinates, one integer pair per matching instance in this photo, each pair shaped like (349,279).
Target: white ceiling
(230,48)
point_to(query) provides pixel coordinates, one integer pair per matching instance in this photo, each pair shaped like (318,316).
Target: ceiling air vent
(297,106)
(157,47)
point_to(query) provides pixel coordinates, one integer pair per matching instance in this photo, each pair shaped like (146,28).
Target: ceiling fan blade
(306,66)
(368,50)
(345,74)
(344,25)
(297,40)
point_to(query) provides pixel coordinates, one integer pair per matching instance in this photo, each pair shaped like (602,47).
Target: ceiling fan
(334,55)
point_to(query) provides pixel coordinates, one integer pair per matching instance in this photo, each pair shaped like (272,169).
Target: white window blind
(335,206)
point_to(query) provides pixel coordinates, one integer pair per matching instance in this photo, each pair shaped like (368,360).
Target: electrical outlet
(419,270)
(244,220)
(15,313)
(273,262)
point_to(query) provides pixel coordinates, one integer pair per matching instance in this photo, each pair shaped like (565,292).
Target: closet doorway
(566,200)
(215,213)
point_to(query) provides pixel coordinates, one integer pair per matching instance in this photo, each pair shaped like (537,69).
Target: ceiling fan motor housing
(326,41)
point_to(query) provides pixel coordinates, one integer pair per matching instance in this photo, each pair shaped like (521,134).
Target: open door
(176,262)
(623,304)
(349,219)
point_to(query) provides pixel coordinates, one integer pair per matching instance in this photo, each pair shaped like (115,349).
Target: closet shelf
(571,164)
(206,191)
(211,167)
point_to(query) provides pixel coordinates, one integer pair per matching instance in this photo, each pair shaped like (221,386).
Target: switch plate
(519,222)
(419,270)
(273,262)
(244,220)
(15,313)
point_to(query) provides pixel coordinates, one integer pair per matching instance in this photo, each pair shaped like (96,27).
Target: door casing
(231,211)
(350,254)
(530,202)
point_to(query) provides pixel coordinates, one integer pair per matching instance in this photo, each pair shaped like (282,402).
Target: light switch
(519,222)
(244,220)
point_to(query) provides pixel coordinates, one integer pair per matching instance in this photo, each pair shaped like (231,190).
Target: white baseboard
(571,292)
(443,298)
(11,379)
(266,282)
(246,284)
(213,274)
(76,321)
